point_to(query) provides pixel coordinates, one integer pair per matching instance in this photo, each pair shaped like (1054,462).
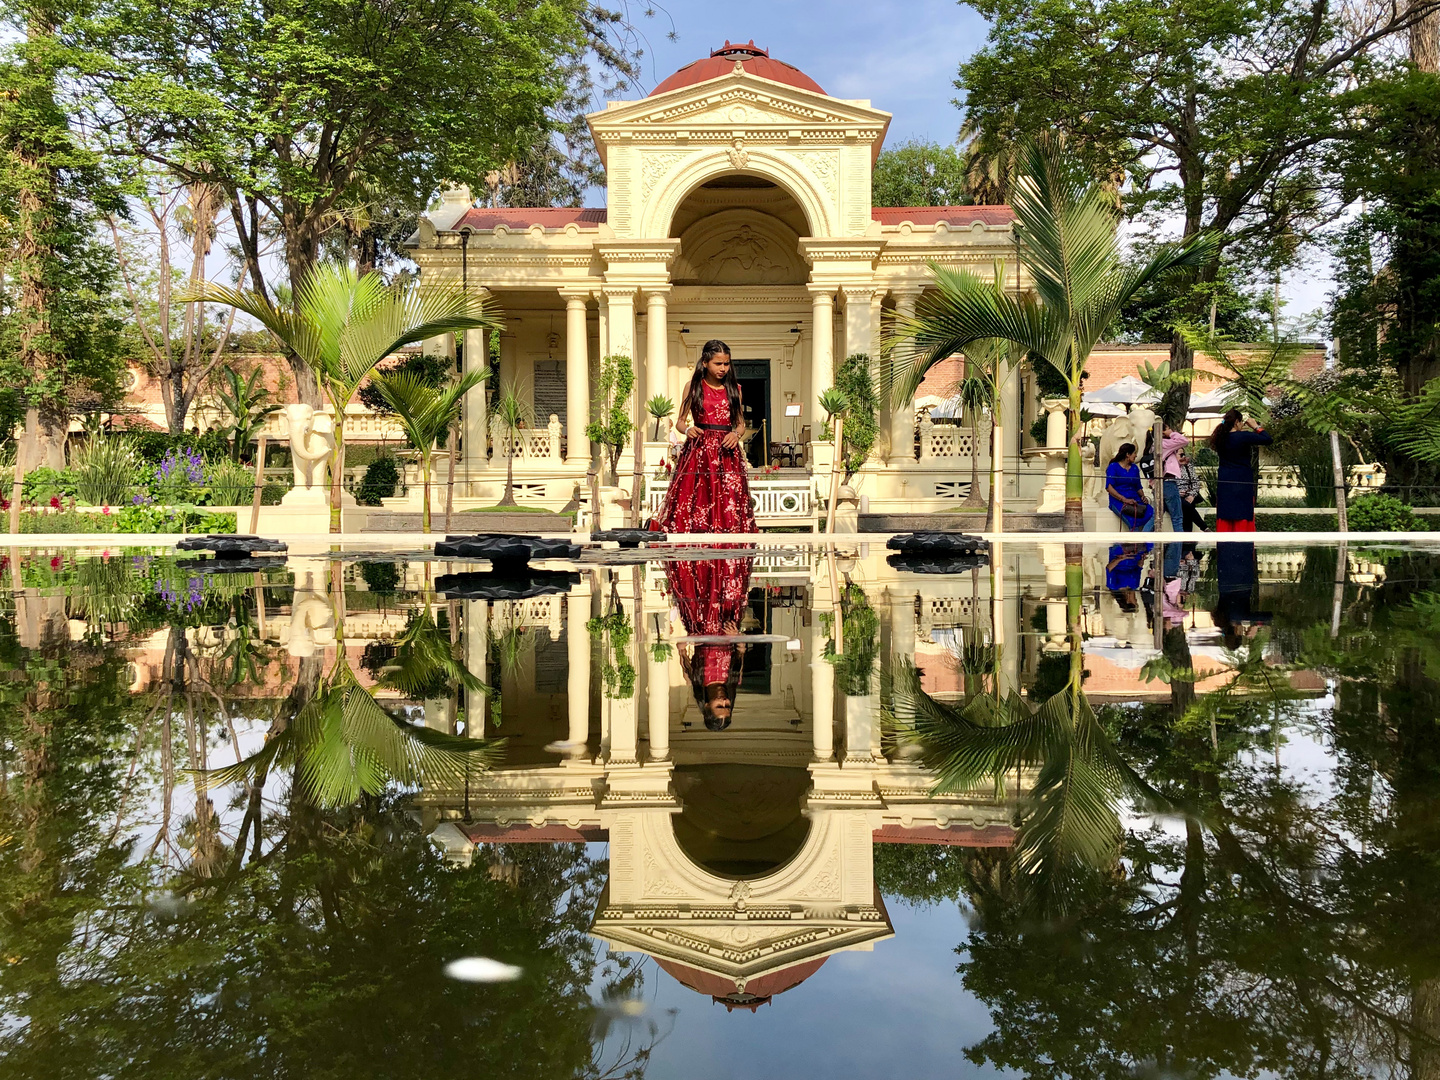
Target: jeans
(1172,504)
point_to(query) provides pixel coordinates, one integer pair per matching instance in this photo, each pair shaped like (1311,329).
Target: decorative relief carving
(738,155)
(656,881)
(653,167)
(825,164)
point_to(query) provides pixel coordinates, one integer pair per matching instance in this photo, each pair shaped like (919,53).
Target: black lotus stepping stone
(941,564)
(505,586)
(937,545)
(628,538)
(505,552)
(231,566)
(231,545)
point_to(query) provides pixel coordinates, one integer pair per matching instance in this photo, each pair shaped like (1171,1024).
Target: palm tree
(511,408)
(425,412)
(1068,244)
(244,399)
(342,324)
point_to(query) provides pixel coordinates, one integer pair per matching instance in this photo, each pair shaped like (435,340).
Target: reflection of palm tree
(1069,820)
(341,743)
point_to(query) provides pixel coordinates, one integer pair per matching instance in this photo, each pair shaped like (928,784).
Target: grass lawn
(569,516)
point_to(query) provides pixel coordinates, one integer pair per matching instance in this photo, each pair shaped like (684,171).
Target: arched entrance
(740,276)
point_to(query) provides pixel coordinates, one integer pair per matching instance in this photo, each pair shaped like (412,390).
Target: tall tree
(286,107)
(1219,114)
(59,345)
(919,173)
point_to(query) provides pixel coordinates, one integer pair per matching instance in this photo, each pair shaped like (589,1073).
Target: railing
(527,444)
(773,500)
(945,441)
(1280,483)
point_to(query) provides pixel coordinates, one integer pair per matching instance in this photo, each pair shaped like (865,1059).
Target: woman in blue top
(1234,441)
(1127,496)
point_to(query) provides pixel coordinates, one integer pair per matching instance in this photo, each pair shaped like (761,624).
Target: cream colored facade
(740,208)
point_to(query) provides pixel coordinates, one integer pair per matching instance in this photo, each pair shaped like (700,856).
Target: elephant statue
(1131,428)
(312,441)
(312,618)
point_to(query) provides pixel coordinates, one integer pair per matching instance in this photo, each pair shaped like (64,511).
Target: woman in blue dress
(1127,494)
(1234,441)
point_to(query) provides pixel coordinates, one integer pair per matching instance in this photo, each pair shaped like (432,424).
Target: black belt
(713,427)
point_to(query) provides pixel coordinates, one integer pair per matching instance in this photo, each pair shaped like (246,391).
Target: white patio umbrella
(1126,390)
(1211,403)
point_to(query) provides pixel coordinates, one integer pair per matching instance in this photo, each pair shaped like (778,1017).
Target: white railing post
(927,435)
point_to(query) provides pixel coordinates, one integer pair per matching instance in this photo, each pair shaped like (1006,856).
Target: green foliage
(610,422)
(426,413)
(1049,381)
(231,484)
(128,519)
(151,446)
(244,398)
(659,407)
(919,173)
(1383,513)
(613,632)
(43,484)
(106,468)
(380,577)
(432,368)
(855,380)
(381,481)
(855,667)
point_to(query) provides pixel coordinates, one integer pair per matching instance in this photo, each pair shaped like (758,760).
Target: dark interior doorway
(754,378)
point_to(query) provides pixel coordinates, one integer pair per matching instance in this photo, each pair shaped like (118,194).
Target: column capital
(864,293)
(581,294)
(656,292)
(821,292)
(618,292)
(910,292)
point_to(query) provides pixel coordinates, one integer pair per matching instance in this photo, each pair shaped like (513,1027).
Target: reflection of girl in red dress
(709,493)
(711,596)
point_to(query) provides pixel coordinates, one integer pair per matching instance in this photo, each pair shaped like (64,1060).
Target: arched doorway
(740,276)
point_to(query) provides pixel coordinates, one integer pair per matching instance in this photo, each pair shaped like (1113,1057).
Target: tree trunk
(508,499)
(1074,469)
(301,250)
(425,499)
(337,472)
(1337,463)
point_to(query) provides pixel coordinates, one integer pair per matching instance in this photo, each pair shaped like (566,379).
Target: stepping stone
(231,565)
(510,552)
(940,564)
(937,544)
(231,545)
(628,538)
(505,586)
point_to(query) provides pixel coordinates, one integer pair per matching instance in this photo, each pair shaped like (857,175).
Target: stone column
(477,639)
(657,345)
(577,681)
(858,325)
(622,339)
(657,723)
(477,352)
(902,416)
(822,695)
(577,378)
(822,359)
(509,360)
(602,324)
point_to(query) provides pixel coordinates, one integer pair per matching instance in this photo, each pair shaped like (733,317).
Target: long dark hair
(694,669)
(1124,450)
(695,393)
(1226,425)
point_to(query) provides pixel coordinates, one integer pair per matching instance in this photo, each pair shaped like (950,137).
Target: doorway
(754,379)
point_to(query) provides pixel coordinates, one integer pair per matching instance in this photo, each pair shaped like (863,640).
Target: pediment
(738,100)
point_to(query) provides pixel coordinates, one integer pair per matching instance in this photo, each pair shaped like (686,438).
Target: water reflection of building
(740,859)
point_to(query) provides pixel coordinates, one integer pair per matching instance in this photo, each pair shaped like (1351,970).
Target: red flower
(54,502)
(105,510)
(55,563)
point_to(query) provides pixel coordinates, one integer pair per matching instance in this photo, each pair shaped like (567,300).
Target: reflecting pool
(773,811)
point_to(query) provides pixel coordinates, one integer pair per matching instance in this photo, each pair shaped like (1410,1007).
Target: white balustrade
(1283,483)
(773,500)
(945,441)
(528,444)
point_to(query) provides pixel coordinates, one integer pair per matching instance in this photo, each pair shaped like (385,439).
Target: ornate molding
(825,164)
(653,166)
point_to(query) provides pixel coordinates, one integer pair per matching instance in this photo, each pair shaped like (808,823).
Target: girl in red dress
(711,596)
(709,493)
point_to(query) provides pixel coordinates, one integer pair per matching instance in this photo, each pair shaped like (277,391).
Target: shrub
(43,484)
(381,479)
(106,469)
(231,484)
(380,577)
(176,478)
(1383,513)
(862,425)
(152,446)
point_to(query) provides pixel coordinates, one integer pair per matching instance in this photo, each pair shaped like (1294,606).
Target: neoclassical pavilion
(739,206)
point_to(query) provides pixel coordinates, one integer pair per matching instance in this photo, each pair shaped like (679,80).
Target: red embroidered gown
(711,596)
(709,493)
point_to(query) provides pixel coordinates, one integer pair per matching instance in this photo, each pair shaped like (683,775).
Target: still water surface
(771,814)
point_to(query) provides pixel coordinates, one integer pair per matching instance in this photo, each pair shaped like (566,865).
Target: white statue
(312,618)
(1131,428)
(312,440)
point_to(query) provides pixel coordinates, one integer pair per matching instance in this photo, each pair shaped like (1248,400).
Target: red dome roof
(757,992)
(722,61)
